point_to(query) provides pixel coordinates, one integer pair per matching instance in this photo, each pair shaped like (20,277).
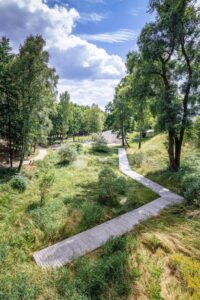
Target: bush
(46,181)
(100,144)
(92,214)
(19,182)
(192,189)
(137,159)
(79,147)
(67,153)
(110,185)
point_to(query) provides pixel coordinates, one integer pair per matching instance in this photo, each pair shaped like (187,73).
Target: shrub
(67,153)
(138,159)
(113,246)
(192,188)
(110,185)
(79,147)
(92,214)
(46,181)
(100,144)
(121,185)
(19,182)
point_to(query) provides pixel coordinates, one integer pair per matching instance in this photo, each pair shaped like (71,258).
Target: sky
(88,40)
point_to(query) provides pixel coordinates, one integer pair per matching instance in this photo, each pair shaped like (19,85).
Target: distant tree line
(70,120)
(161,88)
(29,110)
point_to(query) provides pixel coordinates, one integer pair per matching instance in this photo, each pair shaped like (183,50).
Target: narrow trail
(41,155)
(63,252)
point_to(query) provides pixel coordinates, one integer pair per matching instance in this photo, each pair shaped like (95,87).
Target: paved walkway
(111,138)
(41,155)
(89,240)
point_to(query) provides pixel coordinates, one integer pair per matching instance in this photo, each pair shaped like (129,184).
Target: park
(103,203)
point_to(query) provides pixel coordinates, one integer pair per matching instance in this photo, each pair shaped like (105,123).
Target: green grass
(159,259)
(152,161)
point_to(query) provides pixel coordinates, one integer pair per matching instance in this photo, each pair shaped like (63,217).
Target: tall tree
(37,83)
(65,113)
(119,112)
(170,47)
(8,98)
(140,92)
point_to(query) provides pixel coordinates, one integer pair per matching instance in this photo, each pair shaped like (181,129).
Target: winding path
(91,239)
(41,155)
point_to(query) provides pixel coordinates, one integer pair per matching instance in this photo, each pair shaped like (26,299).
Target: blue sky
(87,39)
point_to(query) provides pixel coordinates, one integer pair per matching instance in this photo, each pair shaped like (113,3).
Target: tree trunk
(171,152)
(123,136)
(10,150)
(140,141)
(11,157)
(174,150)
(20,165)
(127,143)
(21,161)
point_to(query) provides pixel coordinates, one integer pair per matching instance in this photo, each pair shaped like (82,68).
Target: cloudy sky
(87,39)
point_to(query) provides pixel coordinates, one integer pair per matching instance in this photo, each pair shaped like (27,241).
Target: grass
(159,259)
(152,161)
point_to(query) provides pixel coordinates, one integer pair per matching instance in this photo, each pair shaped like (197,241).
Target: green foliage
(67,153)
(138,159)
(110,186)
(79,147)
(19,182)
(107,277)
(18,286)
(92,215)
(46,180)
(100,144)
(113,245)
(191,184)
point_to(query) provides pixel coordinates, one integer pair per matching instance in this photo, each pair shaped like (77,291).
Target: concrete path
(157,188)
(89,240)
(41,155)
(111,138)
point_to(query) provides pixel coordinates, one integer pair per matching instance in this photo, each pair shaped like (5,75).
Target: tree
(140,93)
(119,112)
(170,47)
(8,98)
(65,113)
(95,119)
(37,83)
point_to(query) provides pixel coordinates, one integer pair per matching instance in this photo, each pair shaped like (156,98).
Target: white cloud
(119,36)
(87,92)
(92,17)
(78,62)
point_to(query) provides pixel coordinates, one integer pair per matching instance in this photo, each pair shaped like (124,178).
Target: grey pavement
(91,239)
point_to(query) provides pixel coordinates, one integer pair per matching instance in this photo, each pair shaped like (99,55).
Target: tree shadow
(101,153)
(32,206)
(62,164)
(6,174)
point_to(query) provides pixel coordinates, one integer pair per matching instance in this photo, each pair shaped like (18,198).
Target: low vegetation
(100,144)
(159,259)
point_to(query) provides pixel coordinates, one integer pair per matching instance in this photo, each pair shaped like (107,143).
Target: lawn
(159,259)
